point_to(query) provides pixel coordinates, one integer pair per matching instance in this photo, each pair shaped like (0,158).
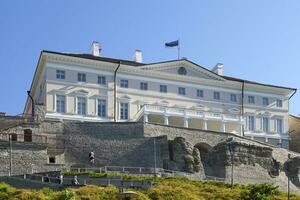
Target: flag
(172,44)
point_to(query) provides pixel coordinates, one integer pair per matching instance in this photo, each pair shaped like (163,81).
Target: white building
(89,87)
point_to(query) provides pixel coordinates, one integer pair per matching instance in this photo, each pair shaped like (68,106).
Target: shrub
(97,193)
(260,191)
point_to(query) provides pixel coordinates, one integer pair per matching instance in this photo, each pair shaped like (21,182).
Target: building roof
(100,58)
(133,63)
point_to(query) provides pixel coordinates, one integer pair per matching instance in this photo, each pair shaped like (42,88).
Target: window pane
(200,93)
(81,105)
(144,86)
(181,91)
(279,127)
(233,97)
(101,108)
(124,111)
(60,74)
(251,99)
(81,77)
(265,124)
(279,103)
(250,123)
(217,95)
(60,103)
(163,88)
(124,84)
(101,80)
(265,101)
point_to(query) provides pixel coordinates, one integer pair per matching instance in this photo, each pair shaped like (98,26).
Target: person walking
(92,157)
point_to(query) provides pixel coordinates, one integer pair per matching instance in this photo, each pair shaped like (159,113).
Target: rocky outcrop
(291,168)
(186,157)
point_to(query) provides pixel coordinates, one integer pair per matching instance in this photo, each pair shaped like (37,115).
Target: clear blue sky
(255,40)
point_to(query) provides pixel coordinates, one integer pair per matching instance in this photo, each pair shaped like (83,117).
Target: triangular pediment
(183,68)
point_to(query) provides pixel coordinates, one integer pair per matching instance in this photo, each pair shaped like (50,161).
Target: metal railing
(80,181)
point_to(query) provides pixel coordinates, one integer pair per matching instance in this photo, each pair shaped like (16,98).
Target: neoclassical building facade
(89,87)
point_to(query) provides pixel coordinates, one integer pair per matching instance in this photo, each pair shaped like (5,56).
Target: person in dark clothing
(92,157)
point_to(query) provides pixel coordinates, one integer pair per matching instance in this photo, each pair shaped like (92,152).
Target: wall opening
(52,159)
(27,135)
(14,137)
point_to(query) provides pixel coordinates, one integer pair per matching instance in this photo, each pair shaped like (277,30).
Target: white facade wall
(50,86)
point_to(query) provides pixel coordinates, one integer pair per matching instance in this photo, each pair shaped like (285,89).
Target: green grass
(164,189)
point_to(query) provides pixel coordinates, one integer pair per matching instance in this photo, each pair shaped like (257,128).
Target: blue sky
(255,40)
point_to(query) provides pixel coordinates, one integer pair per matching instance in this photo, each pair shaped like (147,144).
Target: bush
(97,193)
(260,191)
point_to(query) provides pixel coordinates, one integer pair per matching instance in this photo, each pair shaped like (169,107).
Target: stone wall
(120,144)
(294,133)
(26,158)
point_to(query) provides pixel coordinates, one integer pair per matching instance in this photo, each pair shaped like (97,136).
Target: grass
(164,189)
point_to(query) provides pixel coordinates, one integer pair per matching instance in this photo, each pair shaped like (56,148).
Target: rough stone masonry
(203,153)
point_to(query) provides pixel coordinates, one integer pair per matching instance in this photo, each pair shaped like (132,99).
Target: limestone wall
(25,159)
(119,144)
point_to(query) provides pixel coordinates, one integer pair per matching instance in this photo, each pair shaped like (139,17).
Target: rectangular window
(200,93)
(124,83)
(265,124)
(181,91)
(102,80)
(233,97)
(251,100)
(81,105)
(265,101)
(60,103)
(250,123)
(101,108)
(143,86)
(60,74)
(279,126)
(124,111)
(217,95)
(279,103)
(81,77)
(163,88)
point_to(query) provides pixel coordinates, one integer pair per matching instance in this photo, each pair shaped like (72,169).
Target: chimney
(218,69)
(137,56)
(95,49)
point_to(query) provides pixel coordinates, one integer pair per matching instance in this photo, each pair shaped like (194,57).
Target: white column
(241,129)
(223,127)
(186,122)
(204,125)
(166,120)
(145,118)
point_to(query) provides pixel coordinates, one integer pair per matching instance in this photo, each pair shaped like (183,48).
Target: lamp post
(288,176)
(230,145)
(10,154)
(154,152)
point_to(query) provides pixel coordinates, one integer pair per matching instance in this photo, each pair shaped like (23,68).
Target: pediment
(82,92)
(183,68)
